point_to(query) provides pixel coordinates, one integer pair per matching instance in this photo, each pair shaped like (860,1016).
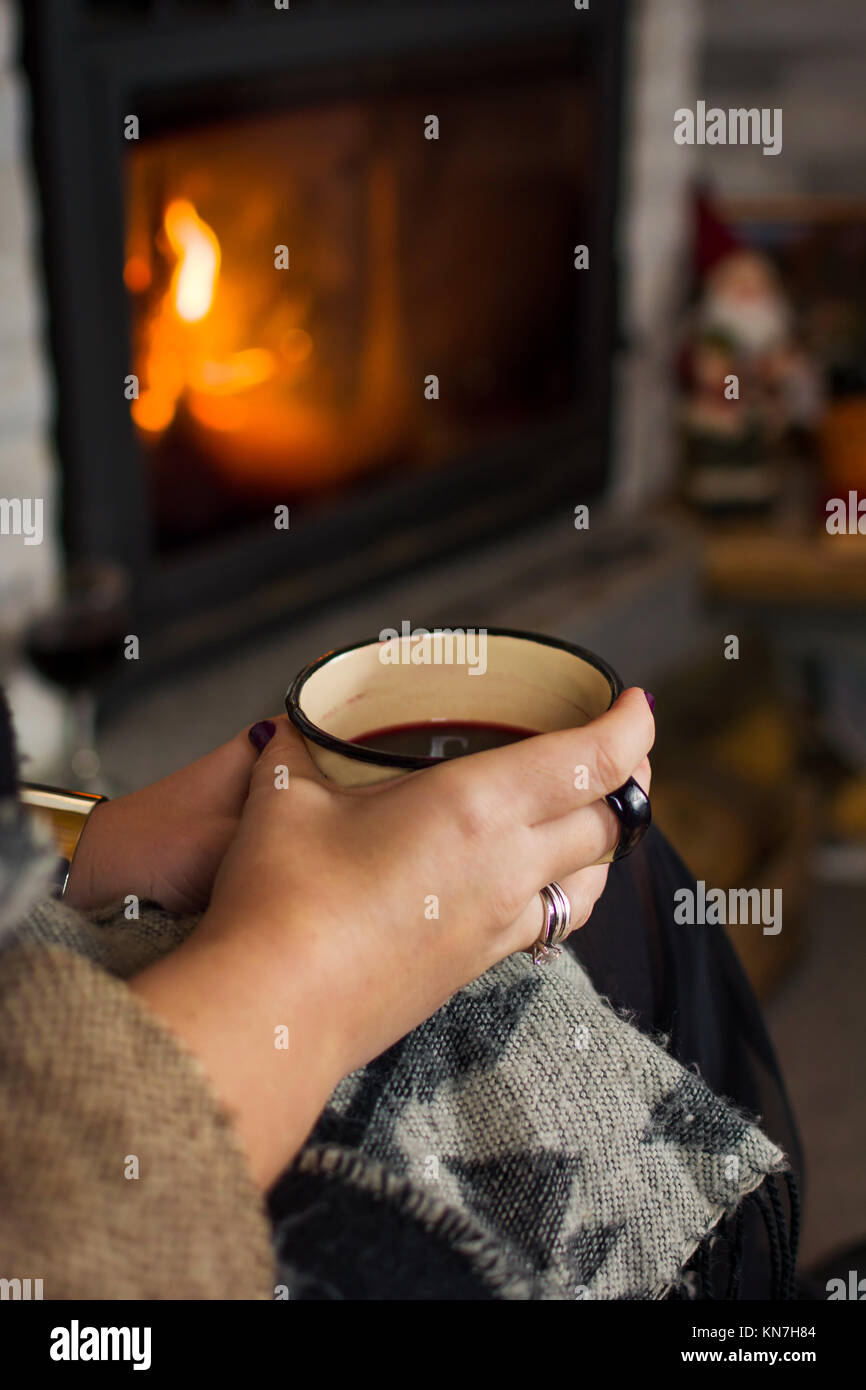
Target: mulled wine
(436,739)
(75,644)
(74,659)
(78,641)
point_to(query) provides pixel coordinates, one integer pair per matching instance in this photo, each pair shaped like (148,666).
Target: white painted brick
(12,135)
(27,466)
(19,296)
(8,33)
(16,220)
(652,233)
(23,388)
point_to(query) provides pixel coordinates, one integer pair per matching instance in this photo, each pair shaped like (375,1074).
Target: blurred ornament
(751,388)
(744,301)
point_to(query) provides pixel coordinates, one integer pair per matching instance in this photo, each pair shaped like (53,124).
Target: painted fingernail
(651,700)
(262,733)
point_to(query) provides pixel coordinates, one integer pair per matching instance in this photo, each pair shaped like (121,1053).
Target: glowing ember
(243,369)
(136,274)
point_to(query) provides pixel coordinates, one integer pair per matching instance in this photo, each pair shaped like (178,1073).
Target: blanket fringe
(720,1253)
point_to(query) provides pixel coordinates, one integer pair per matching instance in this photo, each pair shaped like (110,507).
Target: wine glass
(74,644)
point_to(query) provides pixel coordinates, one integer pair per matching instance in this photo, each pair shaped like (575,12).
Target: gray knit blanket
(526,1142)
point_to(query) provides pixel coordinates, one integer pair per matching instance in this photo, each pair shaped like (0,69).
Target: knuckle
(608,766)
(474,812)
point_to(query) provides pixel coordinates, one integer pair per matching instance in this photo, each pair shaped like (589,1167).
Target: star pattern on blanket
(554,1170)
(590,1248)
(683,1118)
(471,1032)
(518,1195)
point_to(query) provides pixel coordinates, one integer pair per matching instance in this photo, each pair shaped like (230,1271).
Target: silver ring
(557,920)
(558,893)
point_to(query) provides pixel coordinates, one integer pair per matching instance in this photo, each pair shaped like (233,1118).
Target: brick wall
(654,230)
(27,468)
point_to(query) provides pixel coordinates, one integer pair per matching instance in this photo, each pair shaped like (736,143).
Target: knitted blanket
(565,1154)
(526,1142)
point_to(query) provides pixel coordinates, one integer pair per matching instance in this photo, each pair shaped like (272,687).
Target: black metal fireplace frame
(86,61)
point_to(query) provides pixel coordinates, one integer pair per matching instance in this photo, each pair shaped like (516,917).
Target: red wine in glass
(76,643)
(74,661)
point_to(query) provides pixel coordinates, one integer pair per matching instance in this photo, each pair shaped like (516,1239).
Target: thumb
(282,755)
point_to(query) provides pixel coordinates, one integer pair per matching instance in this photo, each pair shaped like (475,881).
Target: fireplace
(299,344)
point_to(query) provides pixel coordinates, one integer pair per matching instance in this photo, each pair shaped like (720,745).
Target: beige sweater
(120,1177)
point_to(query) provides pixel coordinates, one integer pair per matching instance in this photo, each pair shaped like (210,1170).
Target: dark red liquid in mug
(442,738)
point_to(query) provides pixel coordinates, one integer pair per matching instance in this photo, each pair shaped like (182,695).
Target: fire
(243,369)
(198,252)
(271,378)
(136,274)
(180,362)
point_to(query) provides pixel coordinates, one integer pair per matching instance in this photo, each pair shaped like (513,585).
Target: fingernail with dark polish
(651,700)
(262,733)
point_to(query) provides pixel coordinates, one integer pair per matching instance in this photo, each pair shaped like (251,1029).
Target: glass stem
(85,759)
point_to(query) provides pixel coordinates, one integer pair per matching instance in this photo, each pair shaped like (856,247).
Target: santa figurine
(743,302)
(749,385)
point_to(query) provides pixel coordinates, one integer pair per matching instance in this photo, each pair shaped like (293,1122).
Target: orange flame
(198,252)
(179,361)
(226,352)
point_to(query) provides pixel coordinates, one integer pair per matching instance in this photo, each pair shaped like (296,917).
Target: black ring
(632,808)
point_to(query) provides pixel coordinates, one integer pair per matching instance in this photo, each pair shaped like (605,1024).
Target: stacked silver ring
(557,920)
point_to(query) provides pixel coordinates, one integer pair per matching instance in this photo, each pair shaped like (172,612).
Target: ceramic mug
(489,676)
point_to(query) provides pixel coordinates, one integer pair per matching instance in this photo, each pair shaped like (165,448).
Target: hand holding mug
(346,877)
(350,914)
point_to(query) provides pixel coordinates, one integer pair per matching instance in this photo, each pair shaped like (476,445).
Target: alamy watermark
(846,517)
(739,125)
(20,1289)
(77,1343)
(22,516)
(738,906)
(441,646)
(854,1290)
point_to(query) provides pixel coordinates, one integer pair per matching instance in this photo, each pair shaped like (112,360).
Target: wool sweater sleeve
(120,1176)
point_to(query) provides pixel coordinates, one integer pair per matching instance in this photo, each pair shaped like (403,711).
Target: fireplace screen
(322,294)
(282,292)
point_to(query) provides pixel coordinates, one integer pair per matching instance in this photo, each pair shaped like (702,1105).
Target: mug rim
(413,762)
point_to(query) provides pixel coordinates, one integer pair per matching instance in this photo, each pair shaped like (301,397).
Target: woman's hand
(350,917)
(471,841)
(166,841)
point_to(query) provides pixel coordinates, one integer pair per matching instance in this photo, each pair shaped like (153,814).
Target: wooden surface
(763,566)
